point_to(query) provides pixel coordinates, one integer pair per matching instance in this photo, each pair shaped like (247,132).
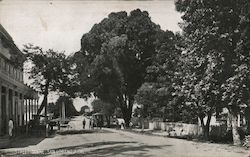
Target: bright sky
(60,24)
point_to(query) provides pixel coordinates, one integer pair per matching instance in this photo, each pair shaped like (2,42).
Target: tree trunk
(205,127)
(247,115)
(142,124)
(127,118)
(45,100)
(44,103)
(235,133)
(248,127)
(108,121)
(126,108)
(202,125)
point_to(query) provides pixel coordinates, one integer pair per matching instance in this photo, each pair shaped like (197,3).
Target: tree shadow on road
(111,148)
(87,145)
(57,150)
(126,150)
(24,142)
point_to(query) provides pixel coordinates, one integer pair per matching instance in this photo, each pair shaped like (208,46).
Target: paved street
(119,143)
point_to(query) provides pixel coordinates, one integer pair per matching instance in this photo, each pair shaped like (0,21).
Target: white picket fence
(176,129)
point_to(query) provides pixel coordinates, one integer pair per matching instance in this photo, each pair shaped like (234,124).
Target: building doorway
(3,112)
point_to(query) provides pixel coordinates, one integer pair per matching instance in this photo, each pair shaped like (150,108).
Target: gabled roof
(4,34)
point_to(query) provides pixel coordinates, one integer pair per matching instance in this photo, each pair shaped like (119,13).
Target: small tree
(69,107)
(105,108)
(50,71)
(84,109)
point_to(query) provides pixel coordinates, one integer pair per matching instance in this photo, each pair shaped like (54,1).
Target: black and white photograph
(124,78)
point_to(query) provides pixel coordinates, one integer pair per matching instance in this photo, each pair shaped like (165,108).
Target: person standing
(91,123)
(11,126)
(83,123)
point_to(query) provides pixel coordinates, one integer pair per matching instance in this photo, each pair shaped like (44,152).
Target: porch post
(22,104)
(37,105)
(1,109)
(26,111)
(238,120)
(29,110)
(7,108)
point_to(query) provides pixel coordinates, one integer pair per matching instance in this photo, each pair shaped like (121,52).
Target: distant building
(17,101)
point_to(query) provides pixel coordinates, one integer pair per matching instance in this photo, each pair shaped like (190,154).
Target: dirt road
(117,143)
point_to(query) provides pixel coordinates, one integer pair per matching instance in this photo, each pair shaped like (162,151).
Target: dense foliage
(50,71)
(107,109)
(127,59)
(218,62)
(114,56)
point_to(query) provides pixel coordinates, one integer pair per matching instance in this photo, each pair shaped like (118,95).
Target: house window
(21,76)
(4,65)
(14,73)
(9,69)
(17,74)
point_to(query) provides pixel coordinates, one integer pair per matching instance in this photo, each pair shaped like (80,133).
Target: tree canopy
(84,109)
(114,56)
(218,65)
(157,93)
(50,71)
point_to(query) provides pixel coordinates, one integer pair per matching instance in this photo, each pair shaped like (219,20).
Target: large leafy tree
(213,34)
(236,89)
(113,58)
(50,71)
(157,94)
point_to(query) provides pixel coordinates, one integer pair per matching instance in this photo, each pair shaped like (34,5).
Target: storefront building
(17,101)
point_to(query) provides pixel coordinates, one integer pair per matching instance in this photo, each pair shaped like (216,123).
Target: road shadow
(87,145)
(111,148)
(24,142)
(126,150)
(82,131)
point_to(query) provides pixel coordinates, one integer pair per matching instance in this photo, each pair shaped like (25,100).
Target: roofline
(5,33)
(7,36)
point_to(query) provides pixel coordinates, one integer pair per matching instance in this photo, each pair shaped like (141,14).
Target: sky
(60,24)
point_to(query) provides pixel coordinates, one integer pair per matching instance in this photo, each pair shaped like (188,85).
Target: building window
(4,65)
(11,70)
(15,73)
(21,76)
(10,66)
(3,90)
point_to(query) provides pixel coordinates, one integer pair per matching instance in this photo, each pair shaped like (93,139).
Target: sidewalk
(140,131)
(4,142)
